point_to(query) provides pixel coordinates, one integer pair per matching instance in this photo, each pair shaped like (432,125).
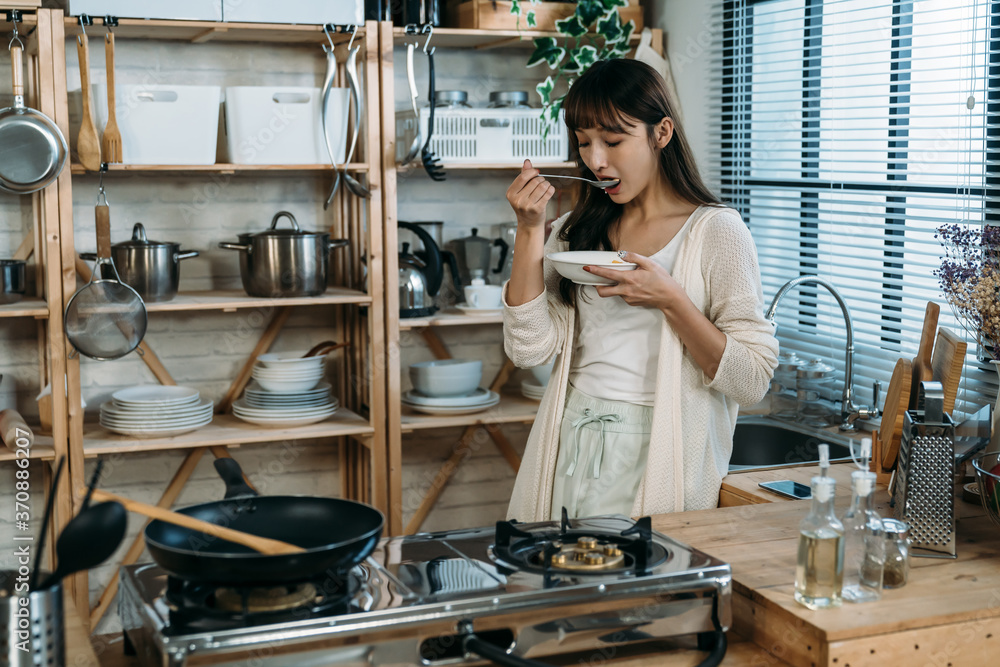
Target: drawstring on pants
(590,417)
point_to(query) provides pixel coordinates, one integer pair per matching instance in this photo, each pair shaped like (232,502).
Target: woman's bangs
(588,109)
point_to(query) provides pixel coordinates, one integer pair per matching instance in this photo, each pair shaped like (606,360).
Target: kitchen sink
(764,442)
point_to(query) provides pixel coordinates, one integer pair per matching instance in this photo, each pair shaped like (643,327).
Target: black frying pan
(337,534)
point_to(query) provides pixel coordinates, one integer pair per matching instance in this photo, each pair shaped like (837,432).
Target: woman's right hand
(529,195)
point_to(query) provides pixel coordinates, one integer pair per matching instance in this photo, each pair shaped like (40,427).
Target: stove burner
(588,554)
(196,606)
(277,598)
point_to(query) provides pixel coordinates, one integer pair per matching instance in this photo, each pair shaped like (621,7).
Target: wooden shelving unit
(467,38)
(27,307)
(449,319)
(79,169)
(232,300)
(197,32)
(512,409)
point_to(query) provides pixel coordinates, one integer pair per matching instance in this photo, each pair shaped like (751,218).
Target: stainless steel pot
(284,262)
(12,280)
(151,268)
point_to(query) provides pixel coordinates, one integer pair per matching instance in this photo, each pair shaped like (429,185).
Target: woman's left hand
(648,285)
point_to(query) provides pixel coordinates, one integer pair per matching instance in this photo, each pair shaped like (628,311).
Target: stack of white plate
(533,389)
(281,374)
(149,411)
(476,401)
(267,408)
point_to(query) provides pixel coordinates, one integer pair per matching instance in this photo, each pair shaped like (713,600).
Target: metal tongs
(353,185)
(418,140)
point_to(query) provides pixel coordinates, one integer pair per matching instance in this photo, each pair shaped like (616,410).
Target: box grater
(924,491)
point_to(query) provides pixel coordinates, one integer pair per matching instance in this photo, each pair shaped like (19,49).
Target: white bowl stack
(287,391)
(448,387)
(534,387)
(150,411)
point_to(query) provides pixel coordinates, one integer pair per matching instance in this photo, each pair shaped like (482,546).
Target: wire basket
(989,483)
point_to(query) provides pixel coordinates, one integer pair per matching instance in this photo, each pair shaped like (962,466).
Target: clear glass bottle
(864,542)
(819,571)
(897,553)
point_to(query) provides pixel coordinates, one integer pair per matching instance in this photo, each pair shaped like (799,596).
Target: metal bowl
(989,483)
(12,280)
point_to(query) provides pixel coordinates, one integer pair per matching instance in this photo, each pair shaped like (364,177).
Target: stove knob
(593,558)
(587,543)
(579,555)
(558,559)
(611,551)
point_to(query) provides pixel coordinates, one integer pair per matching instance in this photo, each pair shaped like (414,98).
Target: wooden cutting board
(921,364)
(947,363)
(896,400)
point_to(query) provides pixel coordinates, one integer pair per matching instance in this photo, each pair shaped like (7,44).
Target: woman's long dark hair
(607,96)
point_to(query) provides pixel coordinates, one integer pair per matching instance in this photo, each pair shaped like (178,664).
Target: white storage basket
(163,124)
(282,125)
(485,136)
(295,11)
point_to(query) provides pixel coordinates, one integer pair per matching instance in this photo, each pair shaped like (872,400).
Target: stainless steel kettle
(419,277)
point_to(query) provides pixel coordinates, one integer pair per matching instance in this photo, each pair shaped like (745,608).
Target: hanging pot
(284,262)
(151,268)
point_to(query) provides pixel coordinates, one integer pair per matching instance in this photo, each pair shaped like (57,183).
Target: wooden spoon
(88,143)
(263,545)
(921,364)
(325,347)
(111,142)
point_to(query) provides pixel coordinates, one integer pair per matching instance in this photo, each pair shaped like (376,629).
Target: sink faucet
(849,412)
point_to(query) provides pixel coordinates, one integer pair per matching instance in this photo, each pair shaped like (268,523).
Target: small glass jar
(897,553)
(813,383)
(782,392)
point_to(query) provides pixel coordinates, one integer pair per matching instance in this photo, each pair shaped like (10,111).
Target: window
(846,138)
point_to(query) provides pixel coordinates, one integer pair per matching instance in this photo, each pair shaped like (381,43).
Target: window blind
(849,131)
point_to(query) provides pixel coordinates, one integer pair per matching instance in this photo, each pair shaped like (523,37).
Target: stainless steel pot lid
(294,232)
(816,369)
(139,240)
(505,98)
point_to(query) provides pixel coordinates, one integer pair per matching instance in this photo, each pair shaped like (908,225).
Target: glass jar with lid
(897,553)
(782,390)
(813,384)
(451,99)
(509,99)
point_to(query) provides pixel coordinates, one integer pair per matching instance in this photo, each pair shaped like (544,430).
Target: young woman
(639,411)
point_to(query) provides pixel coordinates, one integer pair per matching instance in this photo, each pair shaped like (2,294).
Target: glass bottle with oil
(819,571)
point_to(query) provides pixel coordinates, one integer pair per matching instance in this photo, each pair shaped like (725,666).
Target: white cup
(481,295)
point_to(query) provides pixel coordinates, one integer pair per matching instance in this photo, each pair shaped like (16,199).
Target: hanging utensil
(105,319)
(32,149)
(46,517)
(88,142)
(430,161)
(331,71)
(353,184)
(89,539)
(418,142)
(111,142)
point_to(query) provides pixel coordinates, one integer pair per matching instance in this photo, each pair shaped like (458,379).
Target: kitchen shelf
(448,319)
(27,307)
(224,430)
(466,38)
(230,300)
(512,409)
(41,449)
(213,31)
(222,168)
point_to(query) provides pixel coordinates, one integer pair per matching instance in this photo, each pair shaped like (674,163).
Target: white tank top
(617,345)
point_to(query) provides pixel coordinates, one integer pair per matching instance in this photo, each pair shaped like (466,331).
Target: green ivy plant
(594,32)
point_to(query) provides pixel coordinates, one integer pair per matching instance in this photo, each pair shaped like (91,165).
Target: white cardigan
(693,418)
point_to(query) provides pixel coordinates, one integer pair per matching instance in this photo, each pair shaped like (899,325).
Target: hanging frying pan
(32,149)
(105,319)
(336,535)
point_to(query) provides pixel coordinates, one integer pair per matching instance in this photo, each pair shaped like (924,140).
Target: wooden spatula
(111,142)
(921,363)
(896,400)
(947,363)
(88,143)
(262,545)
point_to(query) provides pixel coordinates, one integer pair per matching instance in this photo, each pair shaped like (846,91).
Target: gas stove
(456,597)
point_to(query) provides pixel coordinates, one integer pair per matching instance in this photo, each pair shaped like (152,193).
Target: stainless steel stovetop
(531,589)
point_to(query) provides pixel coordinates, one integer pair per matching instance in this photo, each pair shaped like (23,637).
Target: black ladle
(46,517)
(88,540)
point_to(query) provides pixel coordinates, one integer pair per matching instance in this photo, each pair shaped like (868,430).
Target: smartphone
(788,488)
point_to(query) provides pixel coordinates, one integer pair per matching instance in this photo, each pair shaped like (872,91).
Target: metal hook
(14,17)
(100,185)
(354,32)
(110,22)
(84,22)
(429,29)
(326,31)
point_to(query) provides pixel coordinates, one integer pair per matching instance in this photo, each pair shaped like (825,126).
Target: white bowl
(291,360)
(543,372)
(287,386)
(278,374)
(447,377)
(570,265)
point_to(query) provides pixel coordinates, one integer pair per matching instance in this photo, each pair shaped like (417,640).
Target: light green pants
(602,456)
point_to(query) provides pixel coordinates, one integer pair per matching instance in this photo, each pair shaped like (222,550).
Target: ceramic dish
(570,265)
(287,360)
(444,411)
(279,422)
(254,389)
(241,407)
(157,412)
(154,394)
(480,395)
(146,432)
(287,386)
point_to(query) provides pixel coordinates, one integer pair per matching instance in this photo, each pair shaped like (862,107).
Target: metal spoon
(597,184)
(88,540)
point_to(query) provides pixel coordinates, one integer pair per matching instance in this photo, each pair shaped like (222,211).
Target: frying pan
(32,149)
(336,535)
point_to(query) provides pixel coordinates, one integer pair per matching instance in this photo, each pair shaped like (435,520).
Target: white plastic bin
(318,12)
(282,125)
(163,124)
(187,10)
